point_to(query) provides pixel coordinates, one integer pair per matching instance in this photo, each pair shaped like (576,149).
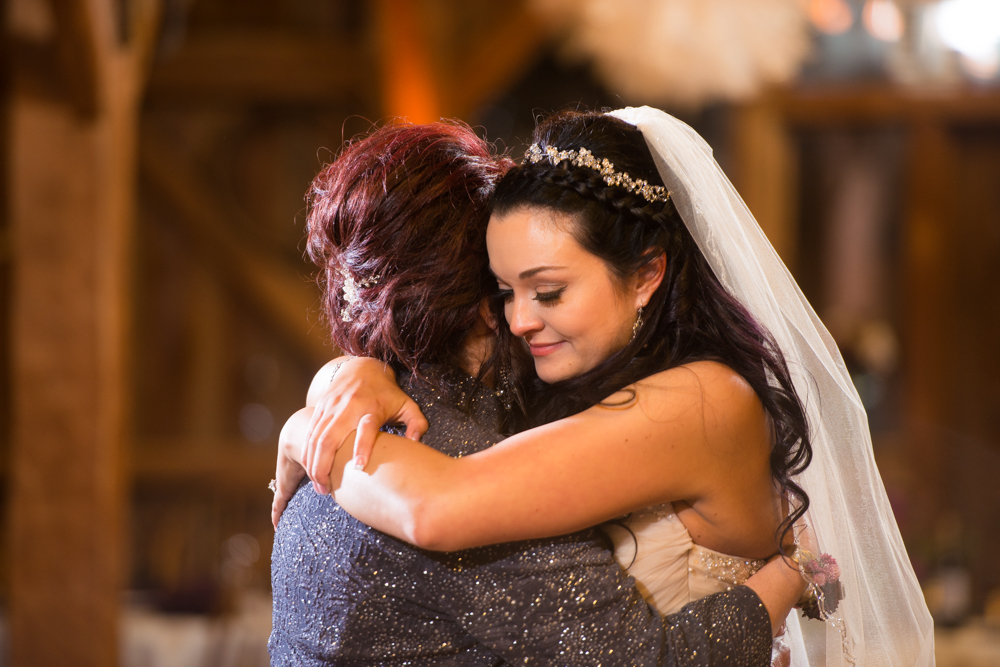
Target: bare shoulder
(713,392)
(709,379)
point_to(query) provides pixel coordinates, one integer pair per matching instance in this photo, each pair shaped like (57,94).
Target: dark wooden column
(928,329)
(72,161)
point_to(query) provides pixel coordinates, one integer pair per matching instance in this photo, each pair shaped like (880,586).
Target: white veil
(882,619)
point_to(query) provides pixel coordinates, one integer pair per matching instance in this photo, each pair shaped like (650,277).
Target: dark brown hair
(402,213)
(690,317)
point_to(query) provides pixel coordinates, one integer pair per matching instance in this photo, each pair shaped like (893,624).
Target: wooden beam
(242,67)
(838,105)
(207,462)
(289,301)
(504,53)
(76,54)
(928,309)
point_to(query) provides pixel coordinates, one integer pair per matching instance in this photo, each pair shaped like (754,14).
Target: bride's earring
(637,325)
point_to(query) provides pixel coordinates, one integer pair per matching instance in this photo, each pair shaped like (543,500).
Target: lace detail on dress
(730,570)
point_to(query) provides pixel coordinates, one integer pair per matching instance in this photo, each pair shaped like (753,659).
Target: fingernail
(359,463)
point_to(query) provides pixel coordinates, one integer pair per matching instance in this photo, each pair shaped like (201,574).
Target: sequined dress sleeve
(347,594)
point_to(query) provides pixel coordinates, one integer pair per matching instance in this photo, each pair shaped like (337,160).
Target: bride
(661,322)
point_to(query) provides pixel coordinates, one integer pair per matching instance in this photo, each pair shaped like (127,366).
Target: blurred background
(158,321)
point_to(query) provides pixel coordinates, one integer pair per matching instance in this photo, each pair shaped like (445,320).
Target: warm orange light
(883,20)
(409,87)
(830,16)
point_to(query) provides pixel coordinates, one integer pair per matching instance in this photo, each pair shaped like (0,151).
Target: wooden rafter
(502,54)
(262,67)
(209,463)
(285,298)
(76,54)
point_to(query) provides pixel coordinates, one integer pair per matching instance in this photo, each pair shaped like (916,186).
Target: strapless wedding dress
(669,568)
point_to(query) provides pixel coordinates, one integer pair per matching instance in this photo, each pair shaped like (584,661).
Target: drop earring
(637,325)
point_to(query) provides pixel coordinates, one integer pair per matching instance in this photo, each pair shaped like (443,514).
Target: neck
(476,347)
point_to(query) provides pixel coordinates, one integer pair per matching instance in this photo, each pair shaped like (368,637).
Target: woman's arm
(688,434)
(365,387)
(288,470)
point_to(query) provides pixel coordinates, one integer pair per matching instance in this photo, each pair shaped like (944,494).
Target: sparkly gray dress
(347,594)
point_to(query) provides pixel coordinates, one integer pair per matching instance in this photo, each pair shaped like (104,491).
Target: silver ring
(273,485)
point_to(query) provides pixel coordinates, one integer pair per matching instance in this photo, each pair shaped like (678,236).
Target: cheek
(605,335)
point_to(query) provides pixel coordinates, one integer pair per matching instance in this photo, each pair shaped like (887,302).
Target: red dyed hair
(403,213)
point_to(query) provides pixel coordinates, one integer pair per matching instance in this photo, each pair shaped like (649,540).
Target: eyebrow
(524,275)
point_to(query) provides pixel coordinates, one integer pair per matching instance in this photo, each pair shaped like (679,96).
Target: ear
(486,314)
(649,278)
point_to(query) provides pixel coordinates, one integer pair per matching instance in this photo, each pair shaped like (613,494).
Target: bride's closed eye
(550,296)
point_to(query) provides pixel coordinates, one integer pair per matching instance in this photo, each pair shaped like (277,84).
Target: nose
(521,317)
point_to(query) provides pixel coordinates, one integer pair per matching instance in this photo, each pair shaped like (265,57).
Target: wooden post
(72,164)
(929,307)
(766,173)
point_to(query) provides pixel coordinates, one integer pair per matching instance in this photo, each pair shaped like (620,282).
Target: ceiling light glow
(883,20)
(830,16)
(971,27)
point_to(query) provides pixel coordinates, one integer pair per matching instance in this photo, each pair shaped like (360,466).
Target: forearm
(779,585)
(288,469)
(502,494)
(293,434)
(400,492)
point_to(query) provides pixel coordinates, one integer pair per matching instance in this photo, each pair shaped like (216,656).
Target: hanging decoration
(685,52)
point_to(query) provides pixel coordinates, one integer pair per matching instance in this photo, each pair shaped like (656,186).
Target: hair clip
(351,288)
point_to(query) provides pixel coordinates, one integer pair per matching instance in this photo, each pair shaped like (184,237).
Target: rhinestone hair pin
(351,288)
(584,158)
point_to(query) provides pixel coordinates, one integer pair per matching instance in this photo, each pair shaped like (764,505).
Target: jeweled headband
(584,158)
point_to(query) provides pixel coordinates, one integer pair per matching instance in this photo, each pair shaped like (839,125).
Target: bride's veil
(882,618)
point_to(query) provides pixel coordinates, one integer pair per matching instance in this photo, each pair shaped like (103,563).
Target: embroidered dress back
(669,568)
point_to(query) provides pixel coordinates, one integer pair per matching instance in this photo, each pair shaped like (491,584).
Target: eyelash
(542,297)
(549,297)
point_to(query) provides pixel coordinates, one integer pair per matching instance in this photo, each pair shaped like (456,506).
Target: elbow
(430,526)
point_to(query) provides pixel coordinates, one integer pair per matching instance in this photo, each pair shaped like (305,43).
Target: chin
(547,374)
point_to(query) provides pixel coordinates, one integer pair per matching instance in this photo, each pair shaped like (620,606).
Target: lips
(544,349)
